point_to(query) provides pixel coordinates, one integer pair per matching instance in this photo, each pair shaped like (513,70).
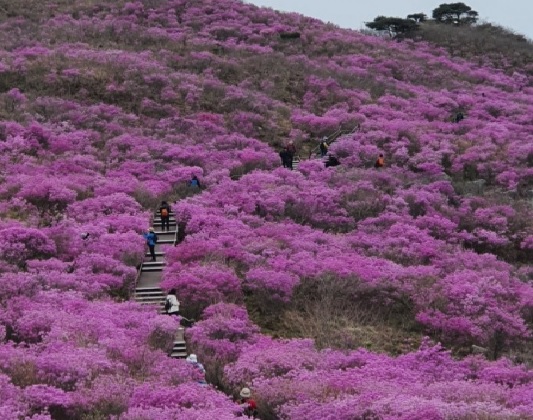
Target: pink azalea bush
(109,108)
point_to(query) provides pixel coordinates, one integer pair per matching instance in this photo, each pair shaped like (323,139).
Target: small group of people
(150,236)
(287,155)
(324,152)
(164,211)
(245,400)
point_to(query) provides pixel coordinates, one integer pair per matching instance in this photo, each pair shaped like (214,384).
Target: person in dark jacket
(286,159)
(332,161)
(291,148)
(164,211)
(151,240)
(181,226)
(324,147)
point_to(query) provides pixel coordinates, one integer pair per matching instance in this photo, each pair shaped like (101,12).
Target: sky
(513,14)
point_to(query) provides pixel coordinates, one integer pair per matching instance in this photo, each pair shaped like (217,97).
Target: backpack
(164,212)
(168,305)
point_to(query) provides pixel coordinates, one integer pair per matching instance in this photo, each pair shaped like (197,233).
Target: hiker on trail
(164,211)
(85,235)
(195,182)
(193,360)
(291,149)
(172,305)
(289,152)
(324,146)
(380,162)
(332,161)
(249,407)
(151,240)
(286,159)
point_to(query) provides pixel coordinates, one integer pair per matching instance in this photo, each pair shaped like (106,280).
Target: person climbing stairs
(148,290)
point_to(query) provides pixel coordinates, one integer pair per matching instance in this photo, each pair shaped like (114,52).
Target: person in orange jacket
(380,162)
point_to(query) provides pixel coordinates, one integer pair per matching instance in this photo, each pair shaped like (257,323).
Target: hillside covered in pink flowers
(332,293)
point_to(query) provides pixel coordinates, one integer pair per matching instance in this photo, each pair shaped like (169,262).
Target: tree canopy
(458,13)
(418,17)
(395,25)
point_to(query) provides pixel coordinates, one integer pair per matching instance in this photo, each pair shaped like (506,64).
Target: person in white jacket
(172,305)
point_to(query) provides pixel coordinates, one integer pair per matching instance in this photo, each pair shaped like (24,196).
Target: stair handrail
(137,277)
(331,138)
(140,266)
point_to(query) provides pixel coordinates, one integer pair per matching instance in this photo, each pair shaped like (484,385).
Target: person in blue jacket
(195,182)
(151,240)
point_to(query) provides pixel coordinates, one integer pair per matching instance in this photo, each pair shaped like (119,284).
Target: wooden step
(157,254)
(179,350)
(152,266)
(158,220)
(153,263)
(152,299)
(149,290)
(160,224)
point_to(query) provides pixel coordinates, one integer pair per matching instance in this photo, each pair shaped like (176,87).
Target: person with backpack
(172,305)
(195,182)
(380,162)
(324,146)
(164,211)
(151,240)
(249,407)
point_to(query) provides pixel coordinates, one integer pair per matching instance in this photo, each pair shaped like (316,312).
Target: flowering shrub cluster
(109,107)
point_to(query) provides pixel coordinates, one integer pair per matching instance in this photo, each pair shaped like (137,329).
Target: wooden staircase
(315,153)
(148,290)
(295,163)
